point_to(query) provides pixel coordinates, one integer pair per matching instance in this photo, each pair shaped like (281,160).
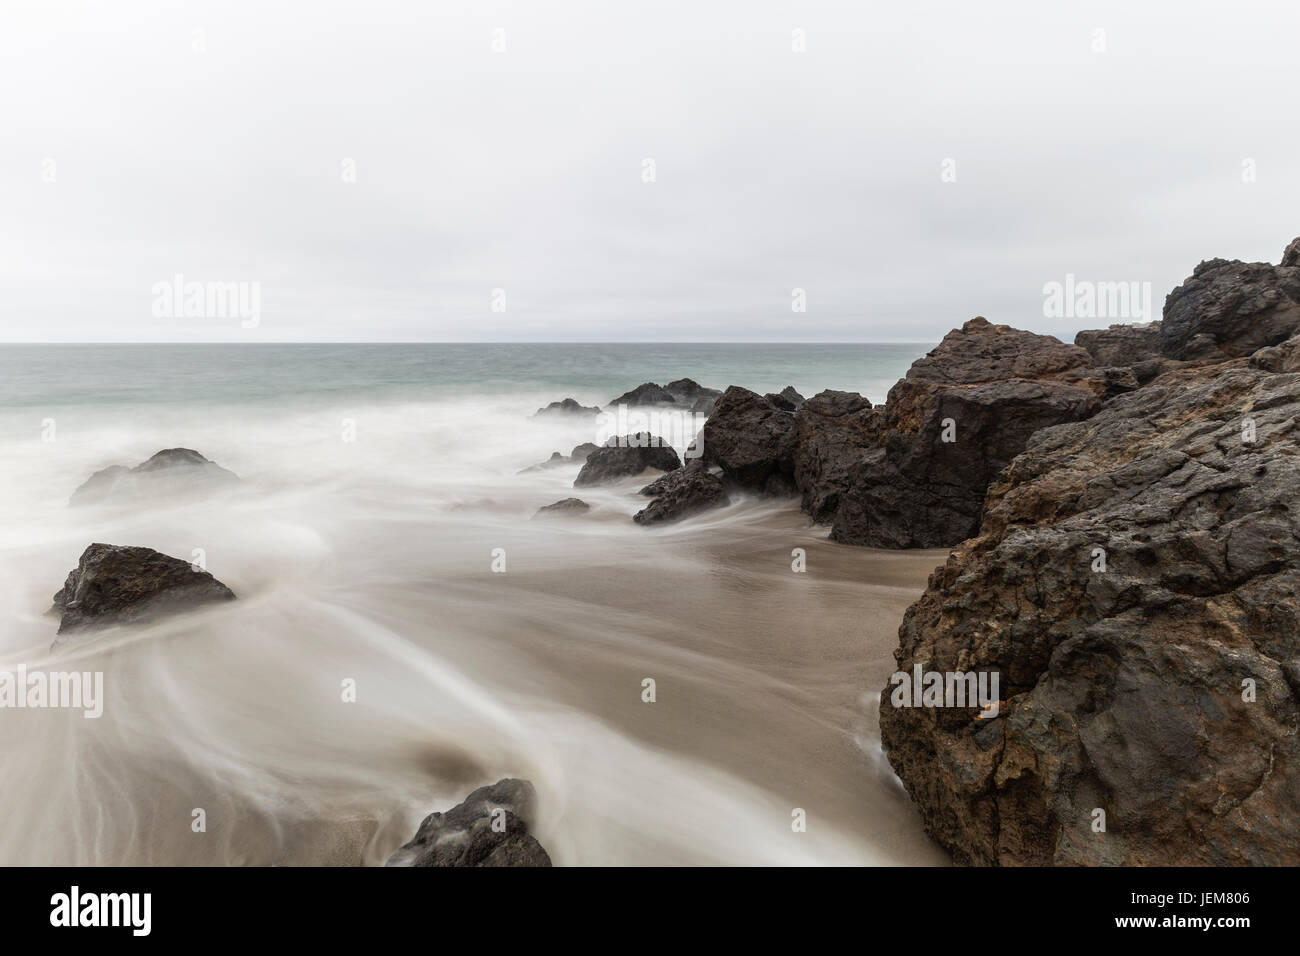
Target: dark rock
(565,506)
(688,392)
(490,828)
(113,584)
(684,493)
(1228,309)
(787,399)
(1291,256)
(171,472)
(752,441)
(567,408)
(647,394)
(951,425)
(582,452)
(1122,345)
(1122,683)
(625,456)
(834,432)
(671,479)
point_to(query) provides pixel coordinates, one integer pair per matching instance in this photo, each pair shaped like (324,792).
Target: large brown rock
(115,584)
(1134,575)
(1229,309)
(489,828)
(952,424)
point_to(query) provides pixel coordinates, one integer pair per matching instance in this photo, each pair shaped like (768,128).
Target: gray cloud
(522,170)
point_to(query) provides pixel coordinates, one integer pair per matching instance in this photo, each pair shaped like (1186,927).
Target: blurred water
(369,560)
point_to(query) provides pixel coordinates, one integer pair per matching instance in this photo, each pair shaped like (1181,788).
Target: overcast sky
(213,140)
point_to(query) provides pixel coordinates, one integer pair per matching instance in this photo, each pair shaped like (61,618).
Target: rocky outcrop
(682,494)
(567,408)
(1230,309)
(684,394)
(563,507)
(170,472)
(951,425)
(1134,576)
(625,456)
(490,828)
(753,441)
(113,584)
(1121,345)
(833,432)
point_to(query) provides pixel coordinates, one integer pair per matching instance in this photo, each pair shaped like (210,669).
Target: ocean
(380,540)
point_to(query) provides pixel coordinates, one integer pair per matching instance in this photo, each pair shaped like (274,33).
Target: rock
(1291,256)
(704,405)
(671,479)
(554,461)
(579,454)
(113,584)
(958,417)
(696,490)
(568,407)
(647,394)
(1130,574)
(170,472)
(787,399)
(688,392)
(465,835)
(1229,309)
(752,441)
(834,432)
(565,506)
(625,456)
(1122,345)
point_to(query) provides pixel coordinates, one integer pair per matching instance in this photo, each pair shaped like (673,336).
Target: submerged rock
(565,506)
(115,584)
(170,472)
(579,454)
(647,394)
(568,407)
(490,828)
(626,456)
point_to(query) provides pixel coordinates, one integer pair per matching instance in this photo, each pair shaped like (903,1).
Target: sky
(627,171)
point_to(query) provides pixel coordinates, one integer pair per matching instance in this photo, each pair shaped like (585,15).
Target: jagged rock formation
(1135,583)
(170,472)
(114,584)
(1121,346)
(681,494)
(1231,309)
(489,828)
